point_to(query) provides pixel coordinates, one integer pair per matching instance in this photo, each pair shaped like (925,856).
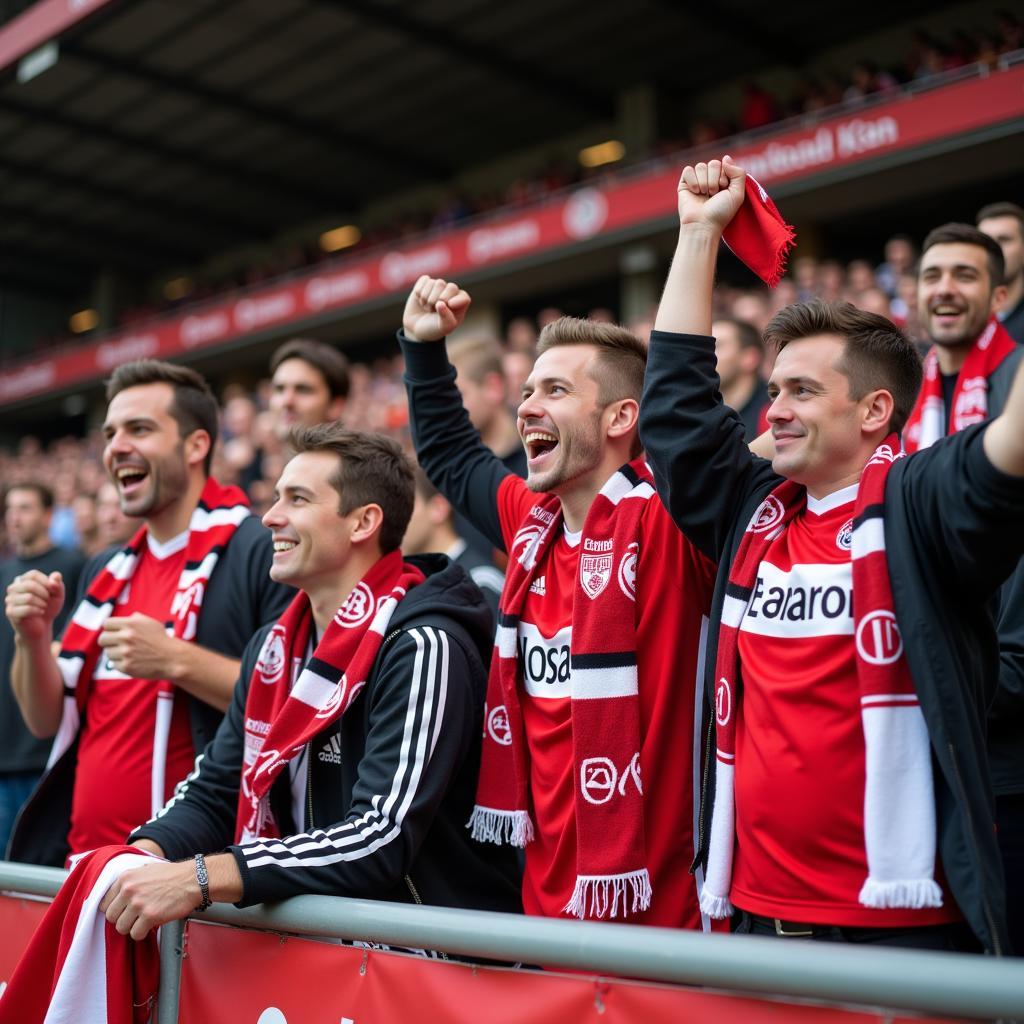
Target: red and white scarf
(77,967)
(759,236)
(899,799)
(285,718)
(214,521)
(611,859)
(927,422)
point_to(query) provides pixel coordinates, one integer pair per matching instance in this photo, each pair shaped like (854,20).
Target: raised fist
(33,601)
(711,193)
(434,309)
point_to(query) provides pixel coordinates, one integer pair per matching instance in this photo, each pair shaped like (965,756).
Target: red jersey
(115,752)
(673,584)
(799,779)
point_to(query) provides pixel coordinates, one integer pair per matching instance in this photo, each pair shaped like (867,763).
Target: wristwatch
(204,882)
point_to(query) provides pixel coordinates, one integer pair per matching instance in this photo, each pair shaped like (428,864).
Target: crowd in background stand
(926,56)
(87,515)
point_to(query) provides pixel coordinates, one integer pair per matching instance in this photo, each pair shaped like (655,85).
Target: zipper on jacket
(703,798)
(309,758)
(996,948)
(416,897)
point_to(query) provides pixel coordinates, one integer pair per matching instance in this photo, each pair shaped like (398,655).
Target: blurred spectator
(28,510)
(62,522)
(432,528)
(900,256)
(309,384)
(113,525)
(874,300)
(739,351)
(758,107)
(86,524)
(480,377)
(1005,223)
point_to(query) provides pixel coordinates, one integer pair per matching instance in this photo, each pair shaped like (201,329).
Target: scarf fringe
(782,257)
(603,893)
(717,907)
(912,893)
(508,828)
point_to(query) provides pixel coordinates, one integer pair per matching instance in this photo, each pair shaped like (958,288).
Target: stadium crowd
(842,619)
(925,56)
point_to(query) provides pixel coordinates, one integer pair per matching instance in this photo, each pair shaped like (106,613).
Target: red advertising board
(905,124)
(42,22)
(238,977)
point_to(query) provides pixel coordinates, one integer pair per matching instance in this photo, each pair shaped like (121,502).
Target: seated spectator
(347,762)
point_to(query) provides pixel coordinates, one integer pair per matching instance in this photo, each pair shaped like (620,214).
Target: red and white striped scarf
(213,523)
(281,719)
(77,967)
(899,799)
(927,422)
(611,859)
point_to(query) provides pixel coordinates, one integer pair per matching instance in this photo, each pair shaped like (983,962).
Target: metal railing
(951,984)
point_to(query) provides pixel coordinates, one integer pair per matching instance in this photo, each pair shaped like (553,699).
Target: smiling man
(151,651)
(591,748)
(853,653)
(347,761)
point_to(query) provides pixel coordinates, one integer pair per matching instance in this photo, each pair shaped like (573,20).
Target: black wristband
(204,882)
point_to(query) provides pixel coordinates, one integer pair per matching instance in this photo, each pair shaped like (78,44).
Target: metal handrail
(951,984)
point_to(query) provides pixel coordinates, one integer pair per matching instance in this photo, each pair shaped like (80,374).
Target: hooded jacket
(389,786)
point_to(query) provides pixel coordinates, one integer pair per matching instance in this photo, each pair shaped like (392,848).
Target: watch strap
(204,882)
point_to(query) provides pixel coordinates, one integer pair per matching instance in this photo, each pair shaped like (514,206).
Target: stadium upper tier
(957,111)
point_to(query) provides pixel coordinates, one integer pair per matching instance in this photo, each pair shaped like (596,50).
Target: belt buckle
(805,933)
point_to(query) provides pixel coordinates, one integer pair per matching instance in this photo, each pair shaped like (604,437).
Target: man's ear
(197,447)
(367,523)
(999,294)
(336,409)
(621,417)
(878,407)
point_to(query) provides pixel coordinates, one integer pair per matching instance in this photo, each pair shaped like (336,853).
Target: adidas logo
(539,586)
(331,753)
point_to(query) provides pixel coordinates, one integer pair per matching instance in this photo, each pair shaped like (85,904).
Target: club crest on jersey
(358,607)
(595,568)
(270,666)
(627,570)
(498,727)
(768,515)
(723,702)
(844,538)
(879,641)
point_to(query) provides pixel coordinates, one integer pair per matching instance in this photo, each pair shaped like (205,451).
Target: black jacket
(240,598)
(952,530)
(390,785)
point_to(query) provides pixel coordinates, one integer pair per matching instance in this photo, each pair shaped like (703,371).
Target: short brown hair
(622,356)
(476,357)
(372,469)
(1000,210)
(326,360)
(965,234)
(193,406)
(40,490)
(747,334)
(877,354)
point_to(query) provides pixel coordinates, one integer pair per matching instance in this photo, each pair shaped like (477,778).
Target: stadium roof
(166,131)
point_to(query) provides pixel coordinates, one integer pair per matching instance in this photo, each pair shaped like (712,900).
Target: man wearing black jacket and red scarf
(852,655)
(347,761)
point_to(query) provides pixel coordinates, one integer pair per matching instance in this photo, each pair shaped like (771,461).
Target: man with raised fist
(591,747)
(852,651)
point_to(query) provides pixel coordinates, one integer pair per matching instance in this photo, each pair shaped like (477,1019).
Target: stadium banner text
(617,206)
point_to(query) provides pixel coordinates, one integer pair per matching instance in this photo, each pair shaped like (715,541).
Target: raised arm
(448,446)
(703,469)
(1004,436)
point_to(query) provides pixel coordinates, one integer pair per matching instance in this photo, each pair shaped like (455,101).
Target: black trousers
(951,938)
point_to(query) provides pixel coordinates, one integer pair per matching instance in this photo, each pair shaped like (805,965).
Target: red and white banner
(234,976)
(540,231)
(259,978)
